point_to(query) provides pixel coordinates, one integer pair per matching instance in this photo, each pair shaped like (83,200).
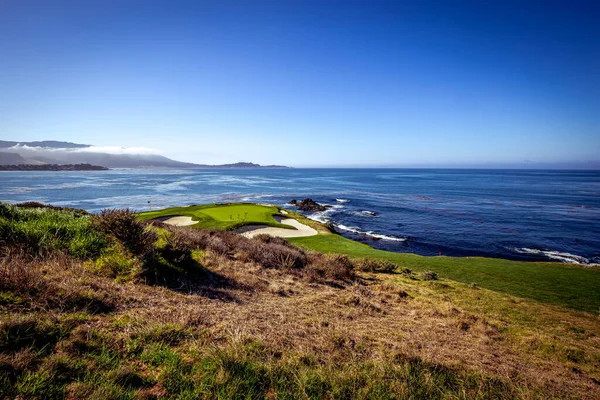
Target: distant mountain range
(61,153)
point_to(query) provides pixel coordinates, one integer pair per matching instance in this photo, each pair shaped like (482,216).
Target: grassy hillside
(109,307)
(555,283)
(222,216)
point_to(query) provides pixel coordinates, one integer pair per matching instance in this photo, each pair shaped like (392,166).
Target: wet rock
(309,205)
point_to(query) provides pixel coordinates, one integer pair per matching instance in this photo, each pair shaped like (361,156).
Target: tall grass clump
(123,224)
(375,265)
(160,262)
(38,231)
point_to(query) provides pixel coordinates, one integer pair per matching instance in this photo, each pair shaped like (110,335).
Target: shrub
(429,276)
(375,265)
(115,263)
(177,250)
(331,266)
(123,224)
(267,251)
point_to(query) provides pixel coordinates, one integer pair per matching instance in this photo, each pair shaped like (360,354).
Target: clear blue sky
(305,83)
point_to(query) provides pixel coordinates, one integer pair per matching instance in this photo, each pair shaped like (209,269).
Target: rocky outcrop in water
(308,205)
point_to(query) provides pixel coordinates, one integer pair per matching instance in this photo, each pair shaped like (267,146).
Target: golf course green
(567,285)
(222,216)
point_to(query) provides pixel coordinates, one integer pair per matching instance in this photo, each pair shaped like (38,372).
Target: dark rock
(294,201)
(331,227)
(310,205)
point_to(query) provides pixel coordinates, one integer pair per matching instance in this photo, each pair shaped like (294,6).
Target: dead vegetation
(208,314)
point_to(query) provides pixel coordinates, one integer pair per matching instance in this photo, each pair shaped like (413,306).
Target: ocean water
(515,214)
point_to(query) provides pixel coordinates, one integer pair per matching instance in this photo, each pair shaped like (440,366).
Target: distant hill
(51,144)
(52,167)
(62,153)
(241,165)
(11,159)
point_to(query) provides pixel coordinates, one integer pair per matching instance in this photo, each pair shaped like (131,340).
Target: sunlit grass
(571,286)
(223,216)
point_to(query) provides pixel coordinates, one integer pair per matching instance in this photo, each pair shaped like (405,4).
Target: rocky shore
(53,167)
(308,205)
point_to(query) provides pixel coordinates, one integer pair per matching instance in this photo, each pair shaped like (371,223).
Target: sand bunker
(178,221)
(300,230)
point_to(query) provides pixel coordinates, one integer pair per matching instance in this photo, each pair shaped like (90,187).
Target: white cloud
(92,149)
(118,150)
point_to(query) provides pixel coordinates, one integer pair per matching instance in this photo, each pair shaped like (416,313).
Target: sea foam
(556,255)
(370,233)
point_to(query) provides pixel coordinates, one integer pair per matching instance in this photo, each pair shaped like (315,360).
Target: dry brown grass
(371,320)
(58,283)
(267,252)
(295,303)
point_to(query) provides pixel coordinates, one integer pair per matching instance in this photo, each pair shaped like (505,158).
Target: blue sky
(308,83)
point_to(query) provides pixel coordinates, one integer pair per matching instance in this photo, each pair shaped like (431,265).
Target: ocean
(515,214)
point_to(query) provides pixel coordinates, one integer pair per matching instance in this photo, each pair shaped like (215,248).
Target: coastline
(491,220)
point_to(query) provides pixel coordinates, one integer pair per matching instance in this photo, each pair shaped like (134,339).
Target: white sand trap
(283,212)
(178,221)
(300,230)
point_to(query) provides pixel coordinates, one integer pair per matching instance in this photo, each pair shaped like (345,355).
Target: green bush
(116,263)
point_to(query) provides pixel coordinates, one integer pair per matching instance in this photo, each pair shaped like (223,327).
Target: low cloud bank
(21,148)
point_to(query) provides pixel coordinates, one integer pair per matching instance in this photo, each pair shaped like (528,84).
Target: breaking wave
(325,216)
(364,213)
(557,255)
(370,233)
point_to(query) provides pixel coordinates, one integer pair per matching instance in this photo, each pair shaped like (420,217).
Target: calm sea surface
(530,215)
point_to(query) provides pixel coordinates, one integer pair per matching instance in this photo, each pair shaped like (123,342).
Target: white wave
(253,197)
(370,233)
(342,200)
(364,213)
(556,255)
(325,216)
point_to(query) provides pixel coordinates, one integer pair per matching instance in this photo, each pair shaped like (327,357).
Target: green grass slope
(222,216)
(108,307)
(554,283)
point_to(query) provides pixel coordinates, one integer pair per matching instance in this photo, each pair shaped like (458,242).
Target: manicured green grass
(222,216)
(554,283)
